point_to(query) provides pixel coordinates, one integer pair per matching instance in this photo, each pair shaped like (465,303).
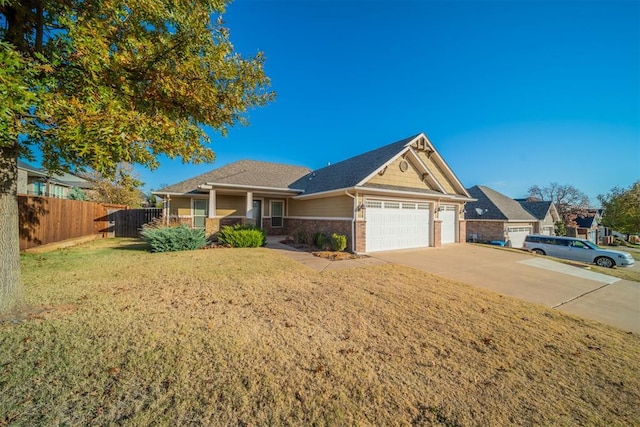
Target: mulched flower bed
(330,255)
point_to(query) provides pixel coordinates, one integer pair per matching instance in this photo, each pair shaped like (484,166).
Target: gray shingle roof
(64,178)
(497,206)
(537,209)
(349,172)
(250,173)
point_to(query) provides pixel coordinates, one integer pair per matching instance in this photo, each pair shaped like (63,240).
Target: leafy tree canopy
(622,209)
(90,84)
(122,189)
(98,82)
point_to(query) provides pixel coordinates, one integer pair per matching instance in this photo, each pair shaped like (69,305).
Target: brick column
(360,238)
(462,231)
(211,227)
(437,233)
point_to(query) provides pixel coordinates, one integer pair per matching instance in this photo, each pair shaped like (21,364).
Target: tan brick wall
(486,230)
(437,233)
(361,236)
(462,231)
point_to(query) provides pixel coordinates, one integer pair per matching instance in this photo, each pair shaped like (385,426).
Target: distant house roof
(590,220)
(492,205)
(248,173)
(65,179)
(538,209)
(32,170)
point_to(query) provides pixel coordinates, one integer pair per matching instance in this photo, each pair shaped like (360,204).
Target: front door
(257,212)
(200,208)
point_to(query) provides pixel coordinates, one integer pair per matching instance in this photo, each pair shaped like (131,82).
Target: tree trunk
(10,286)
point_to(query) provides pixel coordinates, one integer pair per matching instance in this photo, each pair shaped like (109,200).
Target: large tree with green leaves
(622,209)
(93,83)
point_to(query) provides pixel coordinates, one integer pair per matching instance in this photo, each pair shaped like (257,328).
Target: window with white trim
(277,213)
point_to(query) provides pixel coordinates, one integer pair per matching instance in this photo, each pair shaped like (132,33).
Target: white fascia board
(391,160)
(444,164)
(450,197)
(168,193)
(338,192)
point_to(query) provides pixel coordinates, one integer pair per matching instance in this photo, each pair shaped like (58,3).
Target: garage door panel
(516,235)
(448,224)
(396,225)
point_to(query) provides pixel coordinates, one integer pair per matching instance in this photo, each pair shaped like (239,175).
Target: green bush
(242,236)
(304,237)
(320,240)
(171,239)
(338,242)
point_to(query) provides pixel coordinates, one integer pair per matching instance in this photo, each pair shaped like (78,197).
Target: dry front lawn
(116,335)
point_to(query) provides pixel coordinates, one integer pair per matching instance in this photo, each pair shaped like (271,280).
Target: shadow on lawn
(136,245)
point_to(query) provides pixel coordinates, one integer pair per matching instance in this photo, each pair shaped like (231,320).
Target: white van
(576,250)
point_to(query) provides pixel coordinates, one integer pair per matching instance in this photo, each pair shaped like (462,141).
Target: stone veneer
(328,227)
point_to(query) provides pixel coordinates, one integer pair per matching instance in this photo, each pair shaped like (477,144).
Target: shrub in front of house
(321,241)
(242,236)
(303,237)
(338,242)
(171,239)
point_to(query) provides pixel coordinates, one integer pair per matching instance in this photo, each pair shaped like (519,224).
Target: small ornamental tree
(92,84)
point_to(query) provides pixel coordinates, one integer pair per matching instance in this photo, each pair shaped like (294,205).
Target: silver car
(576,250)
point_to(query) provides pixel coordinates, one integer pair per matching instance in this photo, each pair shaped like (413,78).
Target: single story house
(496,217)
(401,195)
(588,225)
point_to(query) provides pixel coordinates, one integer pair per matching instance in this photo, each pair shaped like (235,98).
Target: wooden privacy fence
(46,220)
(127,223)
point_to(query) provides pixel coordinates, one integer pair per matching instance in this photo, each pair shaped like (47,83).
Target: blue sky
(511,93)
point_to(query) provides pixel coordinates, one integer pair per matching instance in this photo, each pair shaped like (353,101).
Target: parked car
(576,250)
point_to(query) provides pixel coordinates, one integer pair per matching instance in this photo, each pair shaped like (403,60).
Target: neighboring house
(38,182)
(402,195)
(496,217)
(588,225)
(546,214)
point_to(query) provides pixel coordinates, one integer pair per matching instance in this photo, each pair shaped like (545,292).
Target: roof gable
(539,209)
(350,172)
(492,205)
(362,170)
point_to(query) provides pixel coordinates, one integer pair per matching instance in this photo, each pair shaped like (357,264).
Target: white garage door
(396,225)
(448,217)
(547,230)
(517,234)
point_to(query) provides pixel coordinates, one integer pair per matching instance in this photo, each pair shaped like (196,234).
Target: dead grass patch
(249,337)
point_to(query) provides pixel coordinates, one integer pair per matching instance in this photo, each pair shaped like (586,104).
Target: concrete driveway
(573,290)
